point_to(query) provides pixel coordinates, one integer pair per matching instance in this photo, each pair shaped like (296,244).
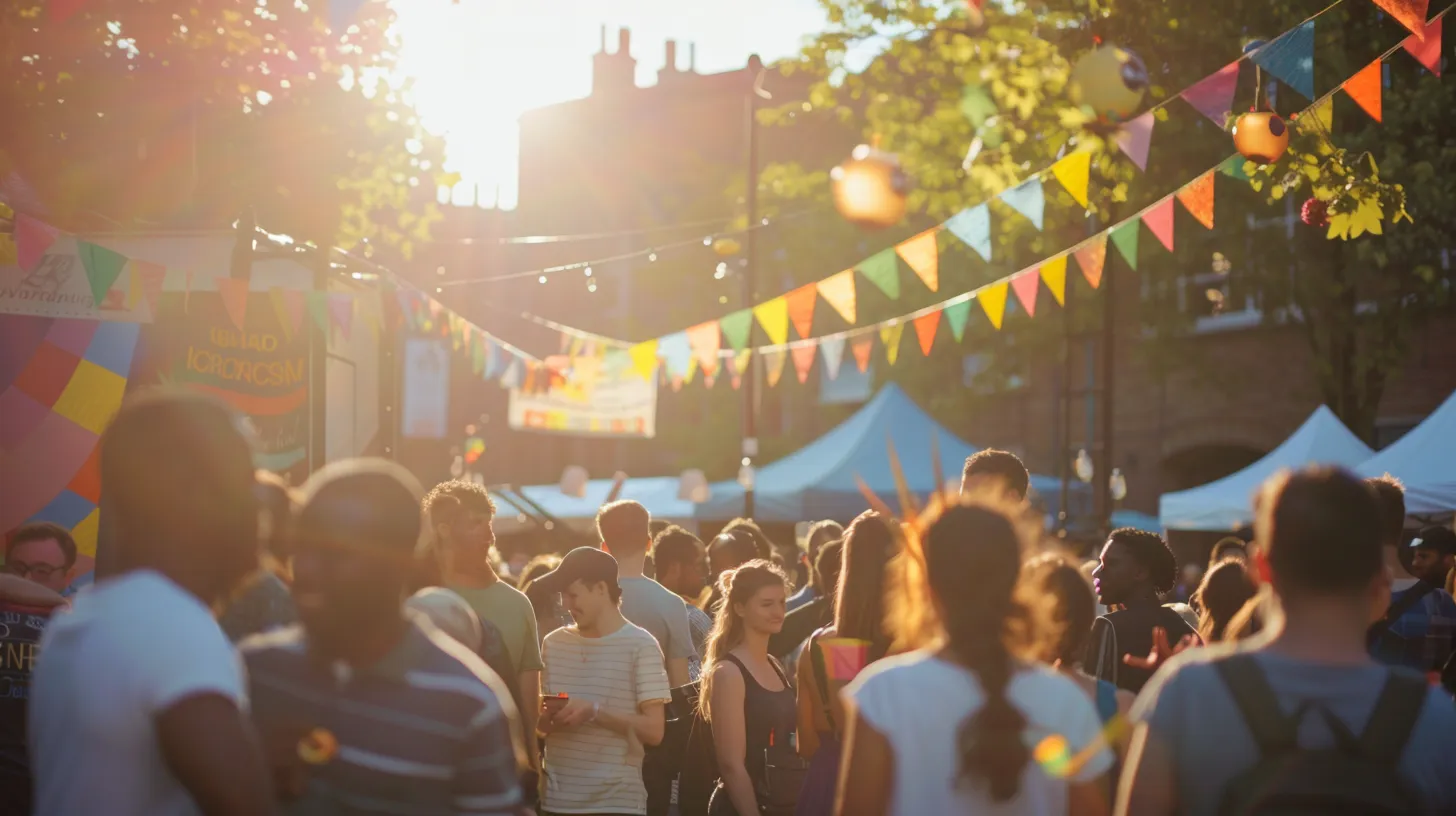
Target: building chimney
(669,63)
(614,73)
(624,41)
(603,48)
(692,57)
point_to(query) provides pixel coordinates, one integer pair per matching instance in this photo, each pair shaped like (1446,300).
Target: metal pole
(1064,416)
(1109,335)
(750,255)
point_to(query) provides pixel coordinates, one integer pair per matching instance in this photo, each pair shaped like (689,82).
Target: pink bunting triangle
(1160,222)
(1213,96)
(1427,47)
(803,359)
(234,294)
(1135,137)
(1025,286)
(32,239)
(341,312)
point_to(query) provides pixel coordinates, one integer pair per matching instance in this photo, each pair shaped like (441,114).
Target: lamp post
(750,270)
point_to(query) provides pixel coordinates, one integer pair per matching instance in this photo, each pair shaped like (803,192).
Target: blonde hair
(736,586)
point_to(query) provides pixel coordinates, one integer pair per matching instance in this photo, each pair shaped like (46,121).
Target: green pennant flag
(1233,167)
(736,327)
(956,315)
(1125,238)
(318,309)
(883,271)
(477,354)
(103,267)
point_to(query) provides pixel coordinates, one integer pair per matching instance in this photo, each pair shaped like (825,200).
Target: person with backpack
(1298,719)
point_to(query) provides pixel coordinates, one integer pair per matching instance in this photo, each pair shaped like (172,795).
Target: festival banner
(590,401)
(58,285)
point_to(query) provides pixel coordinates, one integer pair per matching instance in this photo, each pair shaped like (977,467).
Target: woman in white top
(963,726)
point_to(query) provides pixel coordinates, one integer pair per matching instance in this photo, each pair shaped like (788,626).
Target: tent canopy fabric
(1422,460)
(818,481)
(1227,504)
(657,493)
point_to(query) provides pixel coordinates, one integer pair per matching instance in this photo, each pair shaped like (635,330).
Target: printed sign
(593,401)
(426,388)
(58,287)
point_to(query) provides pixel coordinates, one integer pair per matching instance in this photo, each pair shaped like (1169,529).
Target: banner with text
(591,402)
(58,286)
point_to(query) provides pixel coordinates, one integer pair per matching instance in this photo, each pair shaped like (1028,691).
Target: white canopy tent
(1226,504)
(1425,462)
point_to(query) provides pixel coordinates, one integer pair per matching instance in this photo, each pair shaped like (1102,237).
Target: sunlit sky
(478,64)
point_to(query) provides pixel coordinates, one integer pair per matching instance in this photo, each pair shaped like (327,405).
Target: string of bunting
(1290,58)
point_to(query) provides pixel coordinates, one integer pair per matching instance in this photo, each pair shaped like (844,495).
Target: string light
(591,287)
(587,272)
(721,271)
(708,241)
(541,279)
(652,256)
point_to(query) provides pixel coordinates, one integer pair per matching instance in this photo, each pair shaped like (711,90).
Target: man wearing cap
(368,708)
(1433,556)
(603,692)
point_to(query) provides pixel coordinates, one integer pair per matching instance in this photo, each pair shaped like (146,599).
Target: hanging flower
(1315,213)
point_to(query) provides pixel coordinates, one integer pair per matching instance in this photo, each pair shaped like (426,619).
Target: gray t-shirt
(1190,710)
(664,615)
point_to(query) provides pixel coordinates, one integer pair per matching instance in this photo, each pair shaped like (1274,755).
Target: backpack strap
(821,675)
(1393,718)
(1273,732)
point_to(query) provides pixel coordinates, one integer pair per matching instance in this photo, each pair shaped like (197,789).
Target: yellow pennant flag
(741,361)
(644,359)
(890,337)
(692,370)
(1321,116)
(773,365)
(1073,172)
(773,316)
(1054,275)
(923,256)
(993,300)
(838,291)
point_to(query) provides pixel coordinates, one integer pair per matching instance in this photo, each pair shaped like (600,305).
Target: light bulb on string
(651,256)
(541,279)
(708,241)
(720,271)
(587,271)
(591,287)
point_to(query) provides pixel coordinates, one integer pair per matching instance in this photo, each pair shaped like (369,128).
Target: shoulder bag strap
(1407,601)
(821,675)
(1393,718)
(1273,732)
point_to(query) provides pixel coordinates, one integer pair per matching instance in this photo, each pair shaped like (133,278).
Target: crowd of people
(353,646)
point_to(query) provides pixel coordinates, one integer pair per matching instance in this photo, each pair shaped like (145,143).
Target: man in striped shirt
(367,708)
(611,674)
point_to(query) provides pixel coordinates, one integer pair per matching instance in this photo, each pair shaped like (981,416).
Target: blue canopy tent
(818,481)
(657,493)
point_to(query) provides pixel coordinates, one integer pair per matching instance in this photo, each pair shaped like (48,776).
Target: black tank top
(770,718)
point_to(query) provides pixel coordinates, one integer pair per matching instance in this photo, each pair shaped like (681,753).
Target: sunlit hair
(1223,593)
(869,545)
(737,586)
(1070,604)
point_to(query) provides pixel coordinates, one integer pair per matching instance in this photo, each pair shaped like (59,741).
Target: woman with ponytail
(747,698)
(966,724)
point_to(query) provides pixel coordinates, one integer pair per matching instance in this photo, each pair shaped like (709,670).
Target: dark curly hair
(1152,552)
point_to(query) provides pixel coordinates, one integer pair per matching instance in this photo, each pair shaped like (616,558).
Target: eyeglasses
(36,571)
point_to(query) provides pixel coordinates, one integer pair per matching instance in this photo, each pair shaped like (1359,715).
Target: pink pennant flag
(1160,221)
(1025,286)
(844,657)
(234,294)
(1135,137)
(32,239)
(341,313)
(1427,50)
(1213,96)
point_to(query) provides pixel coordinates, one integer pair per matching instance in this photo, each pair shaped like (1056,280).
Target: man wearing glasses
(44,553)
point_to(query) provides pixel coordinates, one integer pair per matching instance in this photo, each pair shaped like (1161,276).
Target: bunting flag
(993,302)
(705,341)
(1125,238)
(800,303)
(956,315)
(1409,13)
(103,267)
(1197,198)
(511,378)
(803,360)
(234,295)
(883,271)
(1290,58)
(1092,256)
(1322,114)
(493,361)
(773,316)
(1054,274)
(773,366)
(288,306)
(741,361)
(890,338)
(1425,45)
(925,326)
(1364,88)
(1159,219)
(477,355)
(1135,138)
(737,328)
(341,312)
(1074,171)
(832,349)
(1213,96)
(973,227)
(317,304)
(861,347)
(838,291)
(1027,199)
(923,256)
(1025,286)
(152,277)
(32,239)
(676,353)
(134,281)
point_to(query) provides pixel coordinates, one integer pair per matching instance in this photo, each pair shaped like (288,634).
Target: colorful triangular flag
(1028,199)
(1290,58)
(676,353)
(860,347)
(234,295)
(993,302)
(1197,198)
(1054,273)
(773,316)
(1233,167)
(925,326)
(838,291)
(1025,286)
(103,267)
(956,315)
(803,355)
(511,378)
(1426,47)
(1092,256)
(1213,96)
(1135,137)
(883,270)
(973,226)
(1159,219)
(800,304)
(923,256)
(288,306)
(773,366)
(32,239)
(318,309)
(890,337)
(341,312)
(1364,88)
(1409,13)
(737,328)
(1074,172)
(644,359)
(1125,238)
(705,340)
(832,349)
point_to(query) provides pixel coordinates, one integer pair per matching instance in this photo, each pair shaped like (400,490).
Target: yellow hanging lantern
(1261,136)
(1111,81)
(726,247)
(870,188)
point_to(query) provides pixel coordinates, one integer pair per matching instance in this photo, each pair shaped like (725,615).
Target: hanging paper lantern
(1111,81)
(1261,136)
(1315,213)
(870,188)
(725,247)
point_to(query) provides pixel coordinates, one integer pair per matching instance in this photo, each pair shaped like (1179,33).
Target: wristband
(596,709)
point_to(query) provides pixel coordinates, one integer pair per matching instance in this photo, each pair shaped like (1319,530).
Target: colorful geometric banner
(993,302)
(1025,286)
(838,291)
(1134,139)
(883,271)
(956,316)
(800,305)
(1074,172)
(890,338)
(1054,273)
(1197,198)
(973,226)
(1027,198)
(1092,257)
(922,254)
(1159,219)
(925,327)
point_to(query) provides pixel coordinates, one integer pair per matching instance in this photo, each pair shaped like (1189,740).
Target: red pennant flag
(861,347)
(925,327)
(32,239)
(234,294)
(1213,96)
(1409,13)
(1160,220)
(1197,198)
(1025,286)
(801,308)
(804,355)
(1427,49)
(1364,88)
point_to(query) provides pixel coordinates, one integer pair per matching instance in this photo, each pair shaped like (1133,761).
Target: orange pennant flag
(801,308)
(804,355)
(838,291)
(705,340)
(923,256)
(1364,88)
(234,294)
(1091,258)
(925,327)
(861,347)
(993,301)
(1197,198)
(1409,13)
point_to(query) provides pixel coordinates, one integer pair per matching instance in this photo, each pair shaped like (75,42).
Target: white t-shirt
(919,703)
(132,647)
(590,769)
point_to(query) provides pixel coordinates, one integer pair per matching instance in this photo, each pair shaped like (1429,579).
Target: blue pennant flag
(1027,199)
(676,352)
(1290,58)
(973,226)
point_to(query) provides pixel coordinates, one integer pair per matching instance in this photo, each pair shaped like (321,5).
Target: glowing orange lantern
(870,188)
(1261,136)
